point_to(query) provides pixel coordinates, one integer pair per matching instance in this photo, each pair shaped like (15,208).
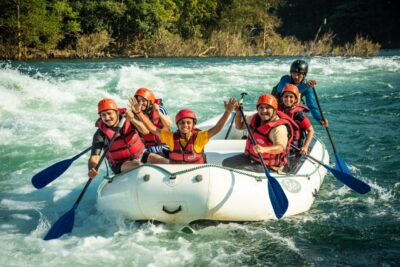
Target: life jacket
(187,154)
(299,133)
(152,139)
(261,137)
(126,146)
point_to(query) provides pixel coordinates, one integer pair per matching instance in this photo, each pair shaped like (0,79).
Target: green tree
(197,18)
(30,24)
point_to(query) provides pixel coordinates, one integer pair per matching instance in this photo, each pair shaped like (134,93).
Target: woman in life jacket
(154,110)
(297,77)
(273,132)
(290,105)
(187,143)
(127,151)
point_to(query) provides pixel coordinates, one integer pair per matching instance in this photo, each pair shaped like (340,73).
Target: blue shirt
(305,92)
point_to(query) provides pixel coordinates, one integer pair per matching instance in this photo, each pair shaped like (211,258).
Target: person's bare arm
(310,135)
(149,125)
(92,163)
(165,119)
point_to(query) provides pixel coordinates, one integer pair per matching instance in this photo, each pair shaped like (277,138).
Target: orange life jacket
(261,132)
(186,155)
(126,146)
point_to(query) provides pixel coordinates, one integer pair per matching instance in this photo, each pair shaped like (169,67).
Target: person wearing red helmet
(273,132)
(297,76)
(153,109)
(127,151)
(187,143)
(290,105)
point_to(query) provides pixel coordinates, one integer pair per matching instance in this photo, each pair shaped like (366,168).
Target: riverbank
(221,44)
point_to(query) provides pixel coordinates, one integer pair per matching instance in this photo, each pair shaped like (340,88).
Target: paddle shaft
(253,141)
(277,196)
(83,152)
(234,115)
(323,118)
(309,156)
(100,161)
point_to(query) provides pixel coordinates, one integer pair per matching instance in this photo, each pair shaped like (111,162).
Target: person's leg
(156,159)
(129,165)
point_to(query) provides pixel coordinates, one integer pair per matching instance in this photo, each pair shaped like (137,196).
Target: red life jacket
(186,155)
(125,147)
(292,113)
(151,139)
(261,137)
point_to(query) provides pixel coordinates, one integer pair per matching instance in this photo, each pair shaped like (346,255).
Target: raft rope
(200,166)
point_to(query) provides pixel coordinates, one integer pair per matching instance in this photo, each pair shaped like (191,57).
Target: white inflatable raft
(186,193)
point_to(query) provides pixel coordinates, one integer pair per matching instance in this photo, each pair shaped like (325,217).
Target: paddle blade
(62,226)
(349,180)
(277,196)
(49,174)
(341,165)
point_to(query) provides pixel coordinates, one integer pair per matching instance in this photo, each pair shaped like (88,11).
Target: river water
(47,113)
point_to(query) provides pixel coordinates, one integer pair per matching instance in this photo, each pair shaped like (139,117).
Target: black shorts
(116,168)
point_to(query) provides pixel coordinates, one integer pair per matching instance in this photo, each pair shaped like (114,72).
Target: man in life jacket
(187,143)
(127,151)
(290,105)
(153,109)
(298,73)
(273,132)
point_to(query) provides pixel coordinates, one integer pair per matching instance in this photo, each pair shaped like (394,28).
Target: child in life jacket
(290,105)
(187,143)
(154,110)
(127,150)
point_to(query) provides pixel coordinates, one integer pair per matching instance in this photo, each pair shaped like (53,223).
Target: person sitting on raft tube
(290,105)
(128,150)
(298,73)
(154,110)
(273,132)
(187,143)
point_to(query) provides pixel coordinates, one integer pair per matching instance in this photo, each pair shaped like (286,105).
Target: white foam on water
(11,204)
(21,216)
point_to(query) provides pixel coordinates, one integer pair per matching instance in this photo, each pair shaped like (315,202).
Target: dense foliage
(79,28)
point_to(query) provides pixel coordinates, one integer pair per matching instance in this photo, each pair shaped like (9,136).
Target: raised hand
(311,83)
(134,105)
(231,105)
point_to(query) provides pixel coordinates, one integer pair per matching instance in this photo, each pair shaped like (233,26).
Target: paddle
(46,176)
(234,115)
(346,178)
(277,196)
(65,223)
(340,164)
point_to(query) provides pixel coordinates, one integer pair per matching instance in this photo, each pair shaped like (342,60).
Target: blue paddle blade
(49,174)
(349,180)
(278,197)
(341,165)
(62,226)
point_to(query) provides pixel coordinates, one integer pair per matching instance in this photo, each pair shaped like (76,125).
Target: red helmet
(292,89)
(268,99)
(106,104)
(146,94)
(185,113)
